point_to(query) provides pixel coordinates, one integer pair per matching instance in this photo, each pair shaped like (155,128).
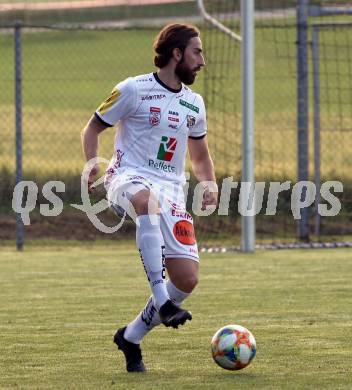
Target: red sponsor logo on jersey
(184,232)
(154,116)
(167,148)
(173,116)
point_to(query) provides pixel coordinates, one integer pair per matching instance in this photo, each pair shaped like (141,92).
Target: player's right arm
(90,143)
(119,105)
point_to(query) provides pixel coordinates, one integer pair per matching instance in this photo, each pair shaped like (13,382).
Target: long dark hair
(171,37)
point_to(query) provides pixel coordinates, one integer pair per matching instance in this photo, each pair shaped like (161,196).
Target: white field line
(6,7)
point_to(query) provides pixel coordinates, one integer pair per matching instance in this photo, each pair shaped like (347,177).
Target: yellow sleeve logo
(106,105)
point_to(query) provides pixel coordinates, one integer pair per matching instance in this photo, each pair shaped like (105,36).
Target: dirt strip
(7,7)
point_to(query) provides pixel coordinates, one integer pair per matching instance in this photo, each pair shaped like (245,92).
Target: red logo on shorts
(184,233)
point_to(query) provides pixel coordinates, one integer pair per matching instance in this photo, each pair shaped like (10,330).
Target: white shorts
(176,223)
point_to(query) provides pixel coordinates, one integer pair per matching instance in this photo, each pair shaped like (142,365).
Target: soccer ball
(233,347)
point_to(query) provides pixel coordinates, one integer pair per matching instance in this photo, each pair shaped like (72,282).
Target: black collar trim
(165,86)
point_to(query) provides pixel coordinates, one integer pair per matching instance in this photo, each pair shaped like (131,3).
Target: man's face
(191,62)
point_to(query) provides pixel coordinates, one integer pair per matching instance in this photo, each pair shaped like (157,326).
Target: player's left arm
(203,169)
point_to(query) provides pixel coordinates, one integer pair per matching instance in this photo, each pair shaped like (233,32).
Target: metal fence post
(316,97)
(18,119)
(302,109)
(247,73)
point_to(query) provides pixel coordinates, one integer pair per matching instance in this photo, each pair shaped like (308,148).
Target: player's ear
(177,54)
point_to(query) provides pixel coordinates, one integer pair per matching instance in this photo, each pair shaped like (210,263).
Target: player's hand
(210,197)
(91,177)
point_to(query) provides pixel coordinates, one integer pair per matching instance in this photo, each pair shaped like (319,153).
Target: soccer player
(159,116)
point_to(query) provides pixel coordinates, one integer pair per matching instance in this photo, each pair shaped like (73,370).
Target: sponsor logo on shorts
(176,206)
(184,232)
(172,126)
(182,214)
(136,178)
(189,105)
(140,179)
(154,116)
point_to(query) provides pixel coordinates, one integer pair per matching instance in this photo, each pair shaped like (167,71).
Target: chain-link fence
(287,150)
(67,70)
(65,76)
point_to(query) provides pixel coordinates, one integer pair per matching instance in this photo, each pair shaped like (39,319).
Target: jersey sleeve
(119,105)
(199,130)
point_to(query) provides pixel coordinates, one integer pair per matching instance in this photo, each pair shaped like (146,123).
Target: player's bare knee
(144,203)
(141,208)
(189,283)
(192,282)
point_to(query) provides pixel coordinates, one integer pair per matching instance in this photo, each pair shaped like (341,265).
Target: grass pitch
(60,305)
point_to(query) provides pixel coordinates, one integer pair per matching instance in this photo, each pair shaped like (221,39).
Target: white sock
(149,318)
(150,243)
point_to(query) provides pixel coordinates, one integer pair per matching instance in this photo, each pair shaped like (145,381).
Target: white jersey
(155,123)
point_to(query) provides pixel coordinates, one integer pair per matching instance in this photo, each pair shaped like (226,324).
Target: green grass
(59,307)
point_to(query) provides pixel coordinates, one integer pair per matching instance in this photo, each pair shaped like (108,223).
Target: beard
(185,73)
